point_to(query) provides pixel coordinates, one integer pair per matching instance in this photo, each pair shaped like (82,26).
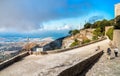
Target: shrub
(86,41)
(94,38)
(87,25)
(117,26)
(97,32)
(74,32)
(75,43)
(117,22)
(109,33)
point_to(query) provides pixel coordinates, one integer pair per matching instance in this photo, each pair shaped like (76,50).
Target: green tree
(96,24)
(87,25)
(97,32)
(70,32)
(74,32)
(112,22)
(75,43)
(109,33)
(117,22)
(86,41)
(94,37)
(101,25)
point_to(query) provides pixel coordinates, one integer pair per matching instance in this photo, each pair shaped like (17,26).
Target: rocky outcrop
(57,44)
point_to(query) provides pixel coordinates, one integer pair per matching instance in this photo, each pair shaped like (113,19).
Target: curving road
(52,64)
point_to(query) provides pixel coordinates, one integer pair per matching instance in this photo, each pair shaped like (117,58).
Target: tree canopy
(100,24)
(74,32)
(97,32)
(117,22)
(87,25)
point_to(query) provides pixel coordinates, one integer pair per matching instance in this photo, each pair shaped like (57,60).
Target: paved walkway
(52,64)
(105,67)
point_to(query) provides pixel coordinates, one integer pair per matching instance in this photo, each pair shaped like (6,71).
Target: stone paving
(106,67)
(51,64)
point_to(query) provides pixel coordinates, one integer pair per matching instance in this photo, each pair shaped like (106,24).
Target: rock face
(57,44)
(116,38)
(87,32)
(67,42)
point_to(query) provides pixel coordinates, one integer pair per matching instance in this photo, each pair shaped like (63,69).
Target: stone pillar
(116,38)
(117,9)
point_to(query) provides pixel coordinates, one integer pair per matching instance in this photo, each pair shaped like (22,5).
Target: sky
(51,18)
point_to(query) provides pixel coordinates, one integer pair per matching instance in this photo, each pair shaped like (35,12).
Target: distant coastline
(23,39)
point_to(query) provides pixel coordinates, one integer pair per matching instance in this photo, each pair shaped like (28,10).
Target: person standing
(108,53)
(116,52)
(98,48)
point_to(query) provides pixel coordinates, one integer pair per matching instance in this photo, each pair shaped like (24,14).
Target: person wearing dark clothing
(108,53)
(98,48)
(116,52)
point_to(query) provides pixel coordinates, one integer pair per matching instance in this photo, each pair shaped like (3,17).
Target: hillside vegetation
(110,33)
(97,33)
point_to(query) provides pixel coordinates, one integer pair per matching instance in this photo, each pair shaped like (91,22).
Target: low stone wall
(67,49)
(80,67)
(12,60)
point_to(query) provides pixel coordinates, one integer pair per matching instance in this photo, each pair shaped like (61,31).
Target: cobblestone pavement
(106,67)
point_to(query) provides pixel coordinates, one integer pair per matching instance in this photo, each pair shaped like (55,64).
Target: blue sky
(44,16)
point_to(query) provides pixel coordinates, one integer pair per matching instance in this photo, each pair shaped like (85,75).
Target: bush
(94,38)
(86,41)
(117,26)
(87,25)
(117,22)
(74,32)
(109,33)
(75,43)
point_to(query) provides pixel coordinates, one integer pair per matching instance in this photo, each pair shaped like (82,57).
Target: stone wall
(116,38)
(117,9)
(67,49)
(81,67)
(12,60)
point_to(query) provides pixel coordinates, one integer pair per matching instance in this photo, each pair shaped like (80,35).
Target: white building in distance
(117,9)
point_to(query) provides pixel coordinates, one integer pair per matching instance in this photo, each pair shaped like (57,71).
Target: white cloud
(65,27)
(2,29)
